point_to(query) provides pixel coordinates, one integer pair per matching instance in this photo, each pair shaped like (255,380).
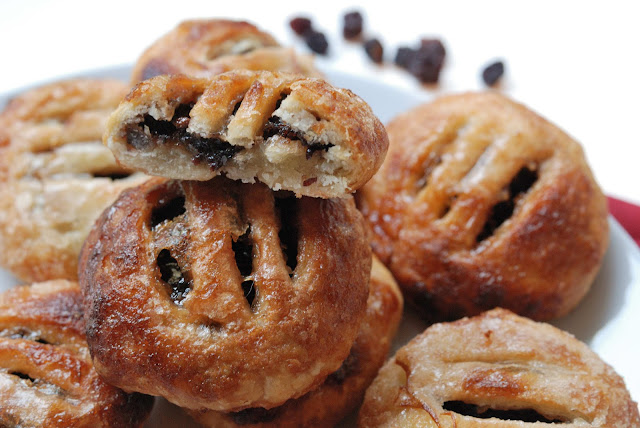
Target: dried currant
(492,73)
(316,41)
(404,56)
(427,61)
(352,25)
(374,49)
(300,25)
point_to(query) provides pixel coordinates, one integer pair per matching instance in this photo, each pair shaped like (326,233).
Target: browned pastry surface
(344,389)
(55,175)
(223,295)
(497,370)
(290,132)
(482,203)
(206,47)
(46,375)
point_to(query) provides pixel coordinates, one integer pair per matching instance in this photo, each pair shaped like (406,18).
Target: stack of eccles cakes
(212,251)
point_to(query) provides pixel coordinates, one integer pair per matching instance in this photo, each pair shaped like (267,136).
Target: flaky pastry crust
(483,203)
(55,175)
(497,370)
(206,47)
(46,375)
(223,295)
(289,132)
(342,391)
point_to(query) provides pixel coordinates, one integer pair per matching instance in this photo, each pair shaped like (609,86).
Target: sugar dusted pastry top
(290,132)
(480,203)
(207,47)
(46,375)
(236,296)
(497,370)
(342,391)
(56,176)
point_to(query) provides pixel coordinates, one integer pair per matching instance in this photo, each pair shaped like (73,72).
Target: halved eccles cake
(206,47)
(497,369)
(46,375)
(289,132)
(482,203)
(223,295)
(56,176)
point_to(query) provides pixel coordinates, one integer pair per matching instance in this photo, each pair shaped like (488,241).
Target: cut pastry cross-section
(289,132)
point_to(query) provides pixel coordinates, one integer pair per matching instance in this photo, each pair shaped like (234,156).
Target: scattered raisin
(374,49)
(352,25)
(403,56)
(300,25)
(492,73)
(427,61)
(316,41)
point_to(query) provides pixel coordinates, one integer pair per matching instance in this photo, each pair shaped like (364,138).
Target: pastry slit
(486,412)
(243,250)
(524,179)
(288,234)
(172,275)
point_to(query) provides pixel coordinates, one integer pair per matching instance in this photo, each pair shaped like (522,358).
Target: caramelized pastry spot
(286,210)
(214,151)
(503,210)
(168,211)
(172,275)
(275,126)
(524,415)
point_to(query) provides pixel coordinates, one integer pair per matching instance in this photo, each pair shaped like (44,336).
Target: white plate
(607,319)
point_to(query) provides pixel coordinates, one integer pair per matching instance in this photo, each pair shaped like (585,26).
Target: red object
(628,215)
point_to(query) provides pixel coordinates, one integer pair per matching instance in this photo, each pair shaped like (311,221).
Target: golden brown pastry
(55,175)
(497,370)
(223,295)
(343,390)
(483,203)
(46,375)
(206,47)
(292,133)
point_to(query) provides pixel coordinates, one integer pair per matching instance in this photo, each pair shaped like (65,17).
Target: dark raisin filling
(113,176)
(23,376)
(275,126)
(525,415)
(286,208)
(254,415)
(349,367)
(168,210)
(503,210)
(214,151)
(243,250)
(172,275)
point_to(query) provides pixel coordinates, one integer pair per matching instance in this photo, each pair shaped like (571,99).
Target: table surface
(573,62)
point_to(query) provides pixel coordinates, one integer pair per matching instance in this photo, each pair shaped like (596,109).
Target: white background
(574,62)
